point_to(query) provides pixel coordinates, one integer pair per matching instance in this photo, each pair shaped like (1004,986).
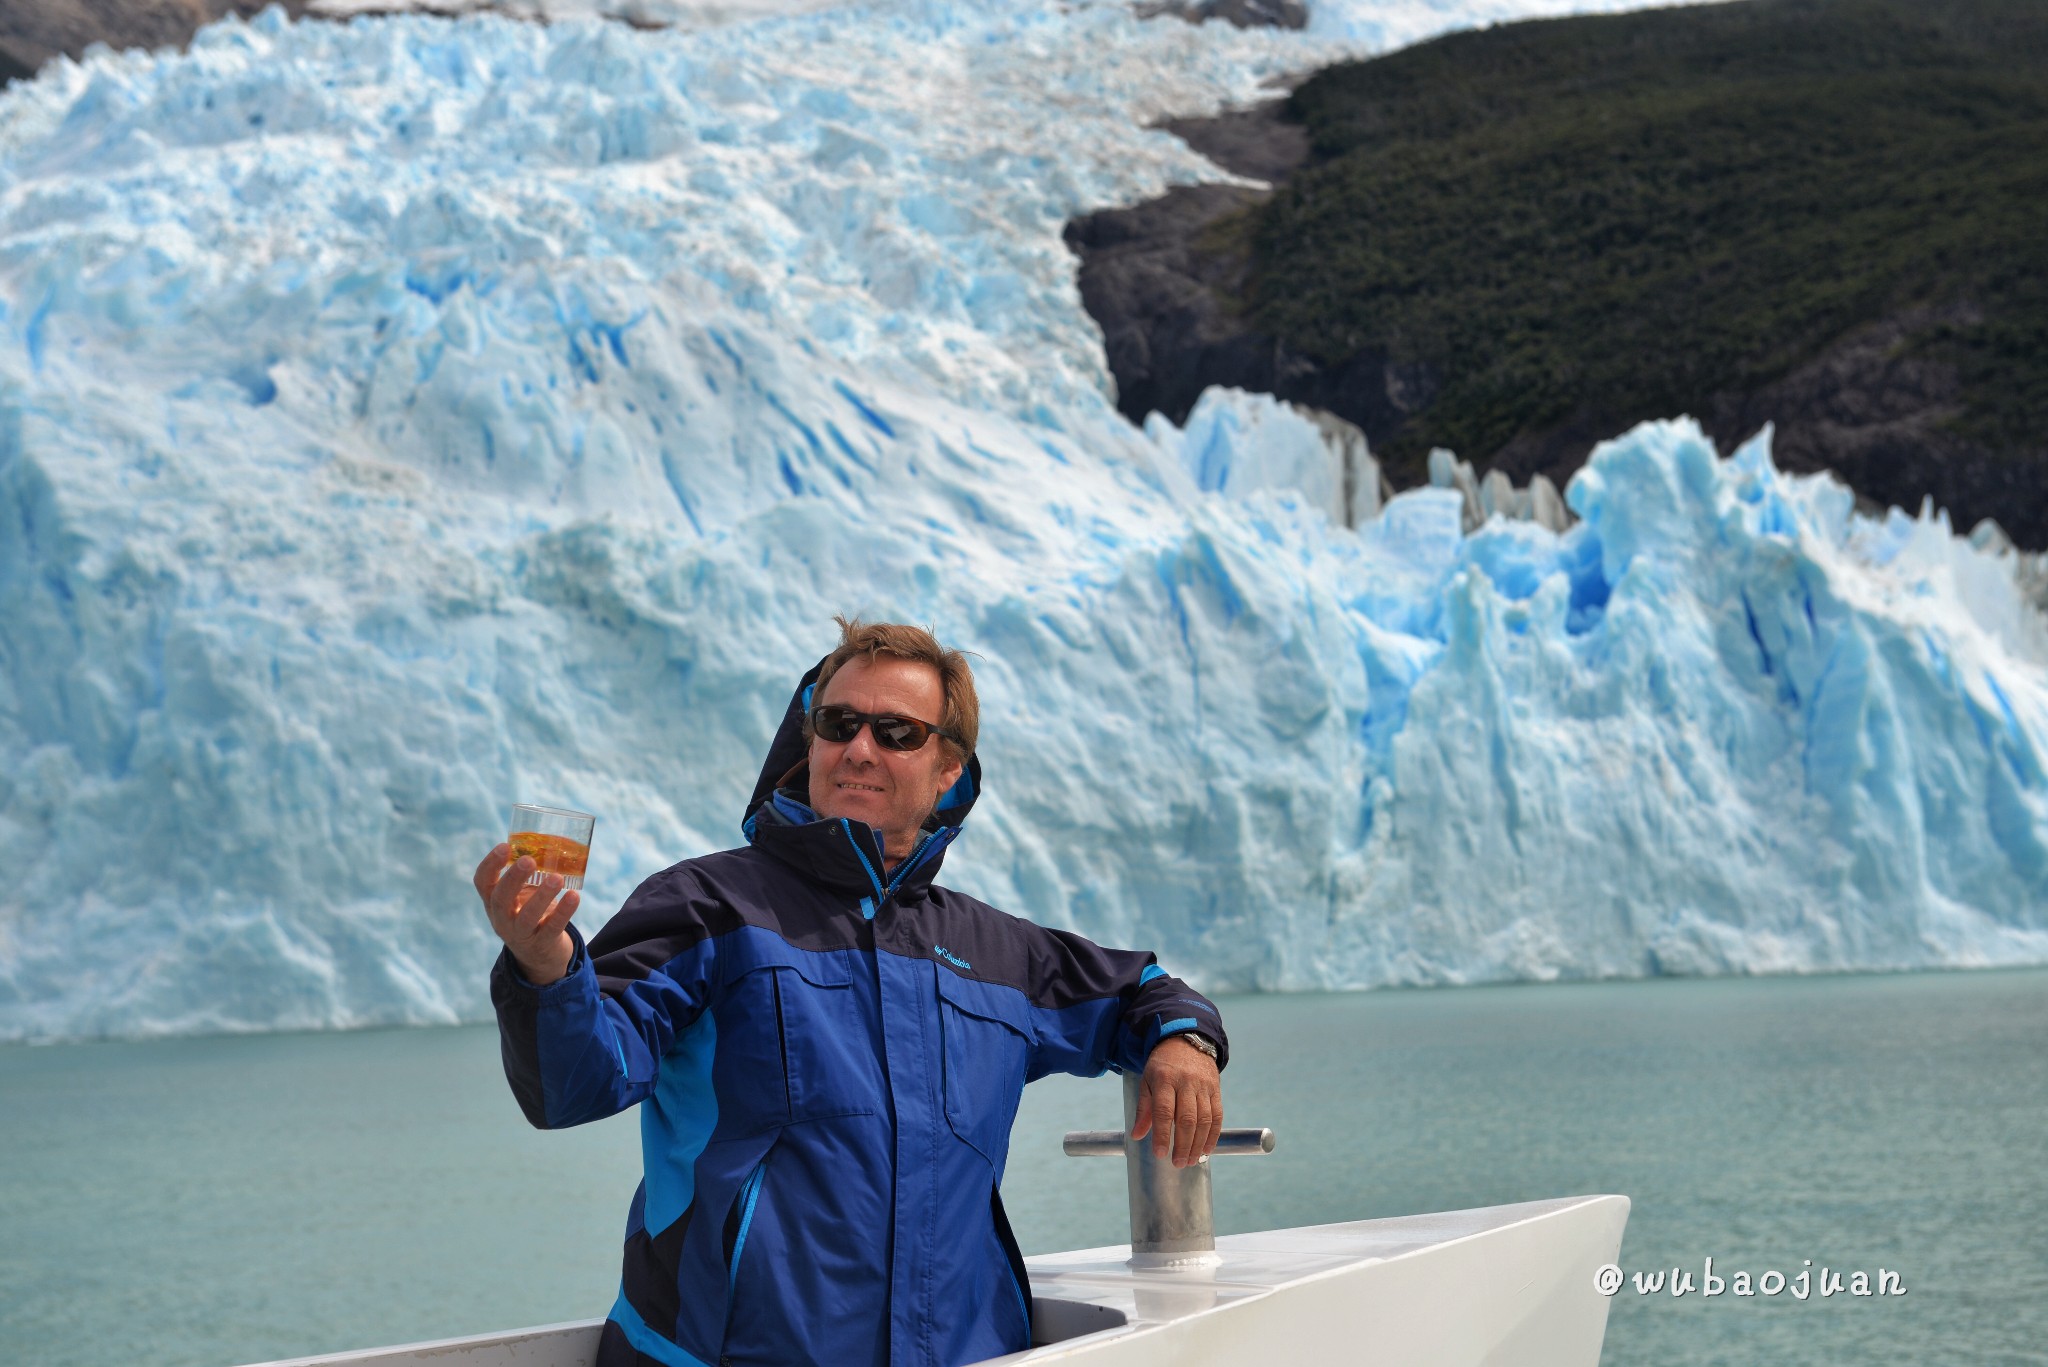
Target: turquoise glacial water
(221,1201)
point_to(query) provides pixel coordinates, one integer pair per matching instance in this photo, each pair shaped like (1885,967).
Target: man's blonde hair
(961,713)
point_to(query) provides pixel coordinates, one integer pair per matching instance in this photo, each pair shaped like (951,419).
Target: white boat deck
(1502,1286)
(1497,1286)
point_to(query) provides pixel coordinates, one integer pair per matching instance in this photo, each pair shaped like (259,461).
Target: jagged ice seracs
(405,418)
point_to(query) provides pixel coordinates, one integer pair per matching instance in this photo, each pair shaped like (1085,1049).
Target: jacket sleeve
(1106,1008)
(590,1044)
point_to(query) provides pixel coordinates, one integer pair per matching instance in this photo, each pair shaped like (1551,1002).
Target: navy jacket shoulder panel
(668,914)
(711,896)
(1051,968)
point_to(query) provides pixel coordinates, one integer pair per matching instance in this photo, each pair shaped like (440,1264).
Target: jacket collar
(844,854)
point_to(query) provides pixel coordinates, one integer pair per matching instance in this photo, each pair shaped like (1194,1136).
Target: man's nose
(862,748)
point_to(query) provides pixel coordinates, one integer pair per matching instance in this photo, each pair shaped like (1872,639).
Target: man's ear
(948,775)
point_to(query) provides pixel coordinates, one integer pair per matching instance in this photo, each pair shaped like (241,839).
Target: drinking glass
(557,840)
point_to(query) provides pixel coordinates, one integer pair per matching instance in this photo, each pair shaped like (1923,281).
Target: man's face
(893,790)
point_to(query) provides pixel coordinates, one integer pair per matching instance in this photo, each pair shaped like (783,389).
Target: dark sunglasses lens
(899,733)
(841,724)
(836,724)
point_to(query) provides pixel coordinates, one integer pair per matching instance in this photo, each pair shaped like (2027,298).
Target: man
(827,1048)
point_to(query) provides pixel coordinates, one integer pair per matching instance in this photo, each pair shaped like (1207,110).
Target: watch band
(1200,1041)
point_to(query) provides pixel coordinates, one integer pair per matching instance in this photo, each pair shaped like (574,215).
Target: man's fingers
(1142,1122)
(533,911)
(551,922)
(505,886)
(1214,1133)
(1166,1118)
(504,901)
(486,876)
(1189,1132)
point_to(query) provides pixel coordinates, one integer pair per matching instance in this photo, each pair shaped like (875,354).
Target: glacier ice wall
(405,418)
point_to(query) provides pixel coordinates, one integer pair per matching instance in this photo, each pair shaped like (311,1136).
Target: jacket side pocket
(987,1042)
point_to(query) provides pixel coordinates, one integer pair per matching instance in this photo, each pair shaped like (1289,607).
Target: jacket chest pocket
(987,1040)
(790,1039)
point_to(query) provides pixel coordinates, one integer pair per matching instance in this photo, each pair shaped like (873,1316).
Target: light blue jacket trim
(677,1121)
(1184,1023)
(645,1340)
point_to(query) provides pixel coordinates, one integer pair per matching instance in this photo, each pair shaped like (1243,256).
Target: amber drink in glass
(556,840)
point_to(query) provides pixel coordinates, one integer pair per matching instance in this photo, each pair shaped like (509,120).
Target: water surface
(219,1201)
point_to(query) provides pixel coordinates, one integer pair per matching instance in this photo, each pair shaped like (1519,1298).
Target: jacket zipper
(915,858)
(750,1192)
(881,893)
(884,891)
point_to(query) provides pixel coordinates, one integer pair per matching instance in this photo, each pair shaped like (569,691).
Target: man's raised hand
(531,919)
(1180,1102)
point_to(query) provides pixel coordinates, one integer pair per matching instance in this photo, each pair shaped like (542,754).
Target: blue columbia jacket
(827,1062)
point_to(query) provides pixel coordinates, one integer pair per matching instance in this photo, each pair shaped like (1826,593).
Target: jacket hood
(787,767)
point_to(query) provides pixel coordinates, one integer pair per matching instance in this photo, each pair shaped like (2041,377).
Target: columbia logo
(950,957)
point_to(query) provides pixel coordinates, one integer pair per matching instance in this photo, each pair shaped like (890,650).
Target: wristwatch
(1200,1041)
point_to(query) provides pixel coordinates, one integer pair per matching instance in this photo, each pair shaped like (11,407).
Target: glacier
(407,417)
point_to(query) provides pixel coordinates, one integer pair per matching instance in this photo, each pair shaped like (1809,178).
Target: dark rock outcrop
(33,32)
(1243,13)
(1883,418)
(1161,294)
(1162,288)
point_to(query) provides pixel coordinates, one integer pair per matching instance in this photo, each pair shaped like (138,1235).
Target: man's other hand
(1180,1102)
(531,919)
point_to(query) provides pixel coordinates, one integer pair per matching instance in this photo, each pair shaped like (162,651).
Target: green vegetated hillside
(1561,227)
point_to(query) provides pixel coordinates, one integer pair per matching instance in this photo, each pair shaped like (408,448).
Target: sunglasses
(841,724)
